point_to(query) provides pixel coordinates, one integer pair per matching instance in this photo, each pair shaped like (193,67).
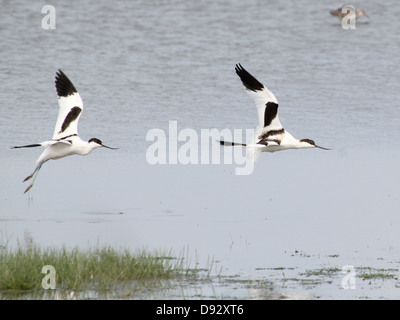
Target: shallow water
(139,65)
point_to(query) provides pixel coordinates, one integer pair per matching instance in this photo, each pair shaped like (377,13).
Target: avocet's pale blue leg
(34,175)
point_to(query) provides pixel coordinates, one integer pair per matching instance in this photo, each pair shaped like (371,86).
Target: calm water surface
(140,64)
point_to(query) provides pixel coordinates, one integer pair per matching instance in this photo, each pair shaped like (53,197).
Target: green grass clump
(367,273)
(98,268)
(322,272)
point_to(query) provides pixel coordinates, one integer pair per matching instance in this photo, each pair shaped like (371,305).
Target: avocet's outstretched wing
(71,107)
(266,102)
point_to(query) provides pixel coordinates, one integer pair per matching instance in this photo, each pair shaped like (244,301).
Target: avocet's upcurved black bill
(322,148)
(109,147)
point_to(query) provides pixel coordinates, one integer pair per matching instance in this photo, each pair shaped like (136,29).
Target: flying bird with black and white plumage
(65,141)
(270,135)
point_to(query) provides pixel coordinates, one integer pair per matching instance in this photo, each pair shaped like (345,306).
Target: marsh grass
(368,273)
(100,269)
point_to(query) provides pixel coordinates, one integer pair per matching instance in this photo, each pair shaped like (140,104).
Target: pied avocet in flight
(65,141)
(270,136)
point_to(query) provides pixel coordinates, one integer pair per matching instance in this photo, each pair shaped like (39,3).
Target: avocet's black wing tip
(248,80)
(64,86)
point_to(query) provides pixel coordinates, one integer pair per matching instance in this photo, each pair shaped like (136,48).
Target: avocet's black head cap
(311,142)
(308,141)
(98,141)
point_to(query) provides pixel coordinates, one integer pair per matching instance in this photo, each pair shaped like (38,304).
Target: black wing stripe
(270,133)
(270,113)
(71,116)
(66,137)
(63,85)
(248,80)
(265,142)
